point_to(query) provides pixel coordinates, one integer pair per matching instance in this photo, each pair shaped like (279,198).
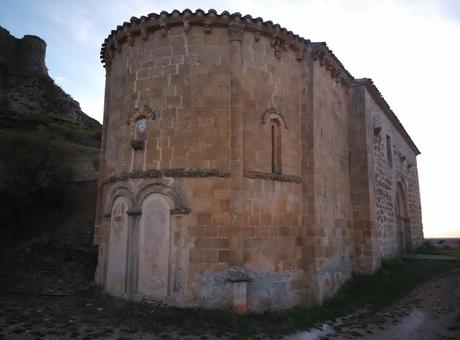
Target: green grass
(428,248)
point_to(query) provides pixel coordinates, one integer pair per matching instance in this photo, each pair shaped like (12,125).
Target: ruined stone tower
(243,166)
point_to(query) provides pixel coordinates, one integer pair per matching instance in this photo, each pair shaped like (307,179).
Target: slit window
(389,154)
(276,147)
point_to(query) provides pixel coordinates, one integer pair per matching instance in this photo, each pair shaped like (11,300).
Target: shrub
(33,167)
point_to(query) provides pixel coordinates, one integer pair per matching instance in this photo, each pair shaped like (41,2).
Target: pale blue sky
(410,48)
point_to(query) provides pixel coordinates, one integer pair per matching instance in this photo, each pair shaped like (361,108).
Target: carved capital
(134,212)
(235,31)
(137,144)
(180,211)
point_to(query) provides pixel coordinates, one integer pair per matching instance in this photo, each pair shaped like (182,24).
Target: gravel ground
(47,292)
(431,312)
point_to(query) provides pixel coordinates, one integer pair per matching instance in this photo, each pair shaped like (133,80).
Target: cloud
(77,20)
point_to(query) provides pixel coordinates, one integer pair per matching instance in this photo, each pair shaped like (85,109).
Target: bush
(33,167)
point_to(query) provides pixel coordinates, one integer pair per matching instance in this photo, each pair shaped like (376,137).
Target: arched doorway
(155,247)
(403,232)
(118,247)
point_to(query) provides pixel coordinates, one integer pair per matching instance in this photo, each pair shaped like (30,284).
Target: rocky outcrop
(34,108)
(27,91)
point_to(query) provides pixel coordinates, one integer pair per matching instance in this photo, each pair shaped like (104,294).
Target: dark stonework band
(274,177)
(195,172)
(188,172)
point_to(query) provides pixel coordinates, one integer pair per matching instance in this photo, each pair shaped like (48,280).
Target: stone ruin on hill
(27,92)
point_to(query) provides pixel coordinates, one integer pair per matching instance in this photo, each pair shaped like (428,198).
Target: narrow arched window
(276,146)
(275,122)
(140,122)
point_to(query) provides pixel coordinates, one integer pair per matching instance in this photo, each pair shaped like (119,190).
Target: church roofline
(146,24)
(377,96)
(320,51)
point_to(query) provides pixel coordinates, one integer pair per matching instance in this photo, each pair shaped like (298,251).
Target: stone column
(235,35)
(133,251)
(308,204)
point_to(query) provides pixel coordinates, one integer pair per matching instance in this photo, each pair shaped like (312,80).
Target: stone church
(244,167)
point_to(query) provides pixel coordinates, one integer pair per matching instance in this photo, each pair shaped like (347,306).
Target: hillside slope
(46,142)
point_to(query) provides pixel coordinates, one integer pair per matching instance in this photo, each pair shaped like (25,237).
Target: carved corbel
(377,130)
(163,27)
(130,38)
(300,54)
(235,31)
(144,33)
(207,26)
(278,51)
(186,22)
(108,55)
(286,45)
(276,43)
(116,46)
(257,35)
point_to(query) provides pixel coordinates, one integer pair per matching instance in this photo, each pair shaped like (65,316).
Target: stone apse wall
(240,166)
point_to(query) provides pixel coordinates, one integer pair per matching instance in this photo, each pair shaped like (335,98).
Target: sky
(410,48)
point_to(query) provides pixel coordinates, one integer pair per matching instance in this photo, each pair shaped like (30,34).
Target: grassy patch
(428,248)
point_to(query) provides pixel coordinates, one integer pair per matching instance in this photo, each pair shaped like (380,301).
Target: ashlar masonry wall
(333,213)
(243,167)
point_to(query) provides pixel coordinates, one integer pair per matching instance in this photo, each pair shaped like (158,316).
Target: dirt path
(431,312)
